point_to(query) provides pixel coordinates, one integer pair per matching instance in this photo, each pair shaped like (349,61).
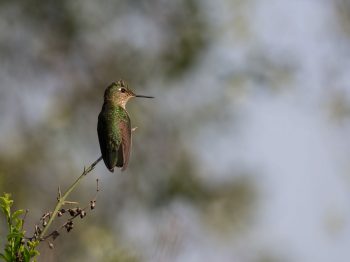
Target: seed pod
(55,234)
(92,204)
(82,214)
(37,229)
(69,228)
(72,212)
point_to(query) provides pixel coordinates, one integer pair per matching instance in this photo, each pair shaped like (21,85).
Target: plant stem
(62,199)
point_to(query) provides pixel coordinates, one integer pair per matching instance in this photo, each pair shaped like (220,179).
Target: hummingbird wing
(109,140)
(125,145)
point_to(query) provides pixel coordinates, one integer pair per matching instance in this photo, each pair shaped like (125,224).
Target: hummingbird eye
(122,89)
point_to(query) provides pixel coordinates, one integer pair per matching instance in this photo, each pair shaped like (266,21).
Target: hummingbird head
(119,93)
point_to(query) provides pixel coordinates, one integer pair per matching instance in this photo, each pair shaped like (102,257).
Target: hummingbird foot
(134,128)
(112,170)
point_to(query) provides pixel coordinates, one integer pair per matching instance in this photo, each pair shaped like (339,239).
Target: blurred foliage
(224,206)
(343,9)
(339,106)
(69,53)
(232,207)
(187,39)
(266,72)
(17,248)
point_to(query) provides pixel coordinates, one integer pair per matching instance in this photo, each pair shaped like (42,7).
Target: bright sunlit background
(243,155)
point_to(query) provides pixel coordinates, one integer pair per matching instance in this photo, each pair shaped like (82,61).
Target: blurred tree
(68,52)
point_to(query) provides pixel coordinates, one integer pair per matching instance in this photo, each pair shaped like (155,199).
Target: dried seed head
(51,245)
(63,211)
(92,204)
(72,212)
(44,223)
(37,229)
(55,234)
(82,214)
(59,214)
(69,228)
(69,225)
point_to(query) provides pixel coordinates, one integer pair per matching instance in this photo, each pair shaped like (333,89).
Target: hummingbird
(113,127)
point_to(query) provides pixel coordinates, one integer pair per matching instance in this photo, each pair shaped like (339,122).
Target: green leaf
(14,235)
(18,223)
(4,257)
(5,204)
(14,245)
(17,213)
(8,255)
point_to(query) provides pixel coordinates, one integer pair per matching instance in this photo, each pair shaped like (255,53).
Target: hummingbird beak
(144,96)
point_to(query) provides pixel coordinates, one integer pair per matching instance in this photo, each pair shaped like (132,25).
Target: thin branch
(62,199)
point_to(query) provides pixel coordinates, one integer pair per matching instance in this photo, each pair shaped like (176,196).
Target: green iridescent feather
(114,134)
